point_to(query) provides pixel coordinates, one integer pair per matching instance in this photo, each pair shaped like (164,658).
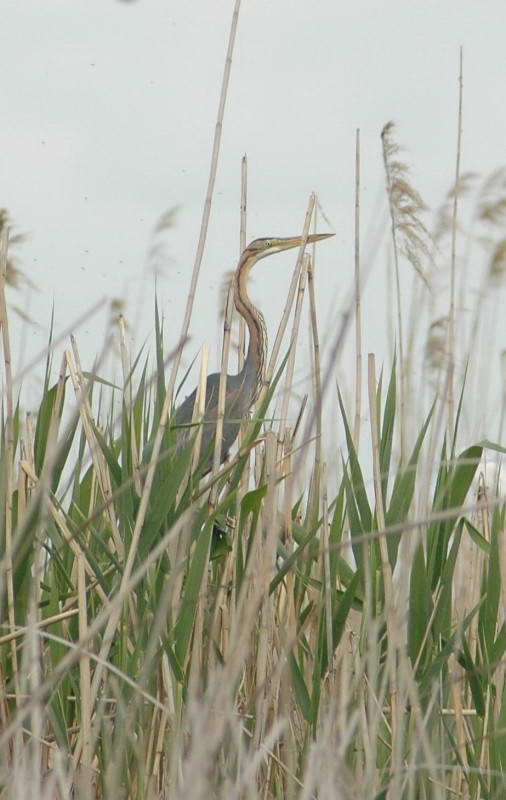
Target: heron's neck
(252,372)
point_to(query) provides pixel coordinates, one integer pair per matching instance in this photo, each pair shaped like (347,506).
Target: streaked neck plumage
(251,375)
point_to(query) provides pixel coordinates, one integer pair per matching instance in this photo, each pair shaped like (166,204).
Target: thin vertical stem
(317,380)
(99,463)
(242,324)
(385,562)
(358,311)
(290,366)
(222,396)
(395,247)
(199,410)
(207,204)
(128,401)
(84,681)
(9,453)
(451,315)
(265,557)
(291,294)
(325,542)
(242,246)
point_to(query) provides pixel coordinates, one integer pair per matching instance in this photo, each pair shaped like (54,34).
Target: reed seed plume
(443,219)
(15,277)
(411,239)
(435,352)
(157,257)
(406,207)
(492,200)
(497,264)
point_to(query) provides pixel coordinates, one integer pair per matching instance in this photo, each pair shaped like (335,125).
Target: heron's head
(265,247)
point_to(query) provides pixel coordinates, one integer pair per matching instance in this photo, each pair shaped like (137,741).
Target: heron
(243,388)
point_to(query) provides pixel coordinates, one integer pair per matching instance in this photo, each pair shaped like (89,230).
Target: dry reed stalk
(286,473)
(126,364)
(222,612)
(410,238)
(325,574)
(150,757)
(85,761)
(213,494)
(222,396)
(451,314)
(422,738)
(195,655)
(36,592)
(395,248)
(358,311)
(287,618)
(474,566)
(501,542)
(9,455)
(198,412)
(33,673)
(290,365)
(265,557)
(380,511)
(242,246)
(284,761)
(484,764)
(486,335)
(385,562)
(289,301)
(99,463)
(413,411)
(207,203)
(456,675)
(367,724)
(160,749)
(299,416)
(22,488)
(54,425)
(26,466)
(286,610)
(60,523)
(246,784)
(40,624)
(318,413)
(244,481)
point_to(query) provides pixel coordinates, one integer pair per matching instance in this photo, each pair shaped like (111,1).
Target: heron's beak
(296,241)
(316,237)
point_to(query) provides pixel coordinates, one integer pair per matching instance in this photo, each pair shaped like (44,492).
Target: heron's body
(242,389)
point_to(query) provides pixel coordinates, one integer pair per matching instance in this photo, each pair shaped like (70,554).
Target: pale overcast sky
(108,114)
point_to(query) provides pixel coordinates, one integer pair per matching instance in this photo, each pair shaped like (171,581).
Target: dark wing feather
(235,407)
